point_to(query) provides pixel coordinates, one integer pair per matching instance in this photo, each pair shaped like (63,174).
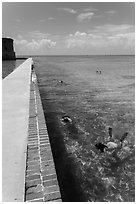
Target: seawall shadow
(65,167)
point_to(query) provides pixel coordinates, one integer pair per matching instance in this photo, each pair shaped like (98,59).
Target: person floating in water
(66,119)
(100,146)
(61,81)
(111,144)
(98,72)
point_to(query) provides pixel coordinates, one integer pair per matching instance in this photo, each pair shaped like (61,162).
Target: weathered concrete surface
(15,114)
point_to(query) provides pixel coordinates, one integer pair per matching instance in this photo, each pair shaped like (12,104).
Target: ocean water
(94,102)
(9,66)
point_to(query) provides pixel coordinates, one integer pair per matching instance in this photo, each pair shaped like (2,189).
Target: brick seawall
(41,180)
(28,170)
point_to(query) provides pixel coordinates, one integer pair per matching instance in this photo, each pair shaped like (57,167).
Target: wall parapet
(15,112)
(22,139)
(41,180)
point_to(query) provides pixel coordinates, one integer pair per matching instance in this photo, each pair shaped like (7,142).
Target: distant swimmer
(32,67)
(110,132)
(101,146)
(66,119)
(34,79)
(98,72)
(61,81)
(112,145)
(123,136)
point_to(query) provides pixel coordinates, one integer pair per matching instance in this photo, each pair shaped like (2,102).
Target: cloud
(85,16)
(69,10)
(82,40)
(80,34)
(37,35)
(112,39)
(124,42)
(41,44)
(33,46)
(109,29)
(111,13)
(42,20)
(50,18)
(20,42)
(90,9)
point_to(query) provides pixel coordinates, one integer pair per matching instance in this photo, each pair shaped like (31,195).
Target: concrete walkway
(15,114)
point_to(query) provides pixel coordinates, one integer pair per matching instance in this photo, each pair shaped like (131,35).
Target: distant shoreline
(25,57)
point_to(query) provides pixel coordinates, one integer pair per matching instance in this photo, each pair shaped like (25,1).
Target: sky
(67,28)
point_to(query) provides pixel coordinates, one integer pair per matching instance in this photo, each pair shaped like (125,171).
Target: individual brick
(52,196)
(29,163)
(33,143)
(58,200)
(33,124)
(44,142)
(32,135)
(44,138)
(32,183)
(45,148)
(50,183)
(35,189)
(32,172)
(35,158)
(32,139)
(46,167)
(32,177)
(47,157)
(51,189)
(45,145)
(47,162)
(38,200)
(34,196)
(43,129)
(43,168)
(45,153)
(33,148)
(49,177)
(32,155)
(33,167)
(33,131)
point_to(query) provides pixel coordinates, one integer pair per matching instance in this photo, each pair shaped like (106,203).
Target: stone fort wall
(8,49)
